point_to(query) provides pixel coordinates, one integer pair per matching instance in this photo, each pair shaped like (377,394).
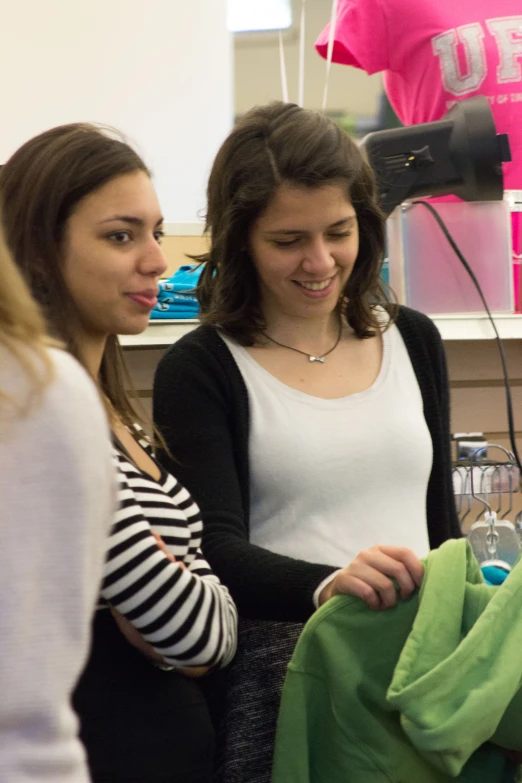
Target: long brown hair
(22,333)
(40,185)
(270,145)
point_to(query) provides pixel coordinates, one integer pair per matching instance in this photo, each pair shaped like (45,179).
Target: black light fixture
(460,154)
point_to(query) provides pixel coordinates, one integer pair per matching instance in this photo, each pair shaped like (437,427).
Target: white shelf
(451,327)
(159,333)
(478,327)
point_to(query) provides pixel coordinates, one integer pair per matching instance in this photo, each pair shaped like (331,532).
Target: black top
(138,722)
(201,407)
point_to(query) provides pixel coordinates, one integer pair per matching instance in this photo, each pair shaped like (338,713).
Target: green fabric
(410,694)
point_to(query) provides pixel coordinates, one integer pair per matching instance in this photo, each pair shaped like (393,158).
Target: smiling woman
(42,185)
(84,225)
(113,260)
(304,248)
(304,390)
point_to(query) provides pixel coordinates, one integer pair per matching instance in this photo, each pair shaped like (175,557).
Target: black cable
(509,401)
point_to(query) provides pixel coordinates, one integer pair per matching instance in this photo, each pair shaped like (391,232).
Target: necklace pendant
(316,359)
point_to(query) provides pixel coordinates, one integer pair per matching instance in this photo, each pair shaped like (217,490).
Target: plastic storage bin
(514,199)
(426,274)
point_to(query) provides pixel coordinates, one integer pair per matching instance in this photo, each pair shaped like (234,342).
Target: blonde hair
(22,332)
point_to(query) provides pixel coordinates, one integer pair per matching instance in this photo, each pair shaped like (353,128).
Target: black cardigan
(201,408)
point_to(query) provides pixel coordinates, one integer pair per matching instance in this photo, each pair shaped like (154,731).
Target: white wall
(257,72)
(160,70)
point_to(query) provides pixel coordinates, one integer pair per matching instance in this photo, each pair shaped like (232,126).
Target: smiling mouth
(314,286)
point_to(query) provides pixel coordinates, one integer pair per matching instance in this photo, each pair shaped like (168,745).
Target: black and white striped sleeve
(186,614)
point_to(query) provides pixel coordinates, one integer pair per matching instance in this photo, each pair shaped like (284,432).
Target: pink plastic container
(426,274)
(514,199)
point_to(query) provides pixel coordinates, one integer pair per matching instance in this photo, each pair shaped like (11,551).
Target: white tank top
(329,478)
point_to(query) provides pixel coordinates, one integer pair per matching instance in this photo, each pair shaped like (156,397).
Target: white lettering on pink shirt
(471,36)
(507,32)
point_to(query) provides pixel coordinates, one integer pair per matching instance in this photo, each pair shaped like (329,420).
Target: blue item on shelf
(185,278)
(169,297)
(177,304)
(157,315)
(177,298)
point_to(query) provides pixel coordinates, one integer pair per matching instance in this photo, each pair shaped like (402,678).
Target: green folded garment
(410,694)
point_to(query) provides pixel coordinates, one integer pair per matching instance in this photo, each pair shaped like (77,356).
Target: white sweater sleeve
(56,505)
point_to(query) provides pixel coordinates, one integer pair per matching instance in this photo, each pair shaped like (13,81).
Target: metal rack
(485,491)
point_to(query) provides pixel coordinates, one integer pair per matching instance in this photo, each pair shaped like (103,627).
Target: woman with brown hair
(309,415)
(84,225)
(56,505)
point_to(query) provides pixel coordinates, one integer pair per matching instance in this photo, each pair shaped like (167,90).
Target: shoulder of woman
(62,422)
(69,413)
(51,377)
(198,339)
(72,386)
(408,319)
(72,425)
(201,348)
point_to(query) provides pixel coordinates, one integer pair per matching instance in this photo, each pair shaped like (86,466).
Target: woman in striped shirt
(84,225)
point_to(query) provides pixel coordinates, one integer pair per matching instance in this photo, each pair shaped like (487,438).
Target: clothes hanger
(495,542)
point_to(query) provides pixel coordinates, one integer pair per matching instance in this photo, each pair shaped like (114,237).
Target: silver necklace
(311,357)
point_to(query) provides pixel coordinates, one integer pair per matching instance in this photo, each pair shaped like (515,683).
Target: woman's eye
(342,235)
(158,235)
(120,237)
(285,242)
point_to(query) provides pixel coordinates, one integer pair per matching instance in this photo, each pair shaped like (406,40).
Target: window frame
(270,34)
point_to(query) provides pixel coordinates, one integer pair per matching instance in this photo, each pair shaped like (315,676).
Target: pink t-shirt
(436,53)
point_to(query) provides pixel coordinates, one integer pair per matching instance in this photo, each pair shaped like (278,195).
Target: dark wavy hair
(271,145)
(40,185)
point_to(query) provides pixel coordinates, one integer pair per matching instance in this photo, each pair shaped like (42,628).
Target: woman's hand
(134,637)
(370,576)
(195,671)
(161,545)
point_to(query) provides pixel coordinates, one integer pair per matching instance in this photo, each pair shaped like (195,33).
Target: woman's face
(112,259)
(304,248)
